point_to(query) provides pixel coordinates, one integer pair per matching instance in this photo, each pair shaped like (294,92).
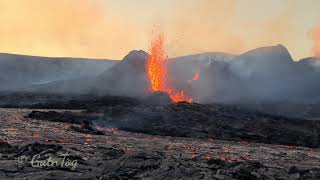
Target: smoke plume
(63,28)
(316,41)
(110,29)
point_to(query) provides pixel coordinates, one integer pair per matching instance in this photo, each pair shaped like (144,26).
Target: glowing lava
(157,72)
(156,65)
(196,76)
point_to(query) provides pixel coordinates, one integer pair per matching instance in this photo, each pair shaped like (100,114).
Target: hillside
(17,71)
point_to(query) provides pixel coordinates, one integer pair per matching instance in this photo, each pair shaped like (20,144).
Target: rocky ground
(107,153)
(211,121)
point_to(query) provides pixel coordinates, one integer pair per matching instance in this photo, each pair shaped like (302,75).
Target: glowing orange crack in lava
(157,72)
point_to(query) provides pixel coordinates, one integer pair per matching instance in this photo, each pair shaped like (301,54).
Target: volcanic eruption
(157,73)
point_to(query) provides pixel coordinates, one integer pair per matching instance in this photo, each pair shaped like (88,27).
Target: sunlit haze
(109,29)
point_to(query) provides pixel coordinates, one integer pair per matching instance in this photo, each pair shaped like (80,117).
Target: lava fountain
(157,72)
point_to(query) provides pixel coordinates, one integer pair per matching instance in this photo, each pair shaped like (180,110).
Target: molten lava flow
(157,72)
(196,76)
(179,96)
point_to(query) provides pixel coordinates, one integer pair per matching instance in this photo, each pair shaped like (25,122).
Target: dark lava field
(126,138)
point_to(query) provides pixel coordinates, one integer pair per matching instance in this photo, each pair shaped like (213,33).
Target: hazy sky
(112,28)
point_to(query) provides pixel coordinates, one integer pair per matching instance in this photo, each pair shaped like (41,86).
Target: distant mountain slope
(126,77)
(313,62)
(182,69)
(205,57)
(266,74)
(17,71)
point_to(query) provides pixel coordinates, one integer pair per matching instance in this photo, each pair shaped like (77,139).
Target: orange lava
(157,72)
(196,76)
(88,139)
(207,157)
(38,136)
(156,65)
(108,130)
(193,156)
(222,158)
